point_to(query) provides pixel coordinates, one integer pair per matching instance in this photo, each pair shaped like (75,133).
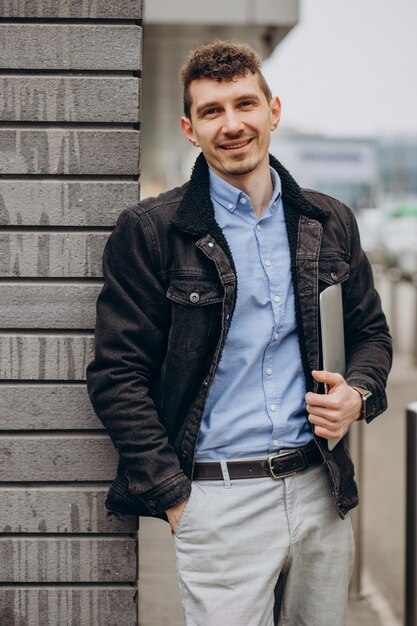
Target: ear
(275,112)
(187,129)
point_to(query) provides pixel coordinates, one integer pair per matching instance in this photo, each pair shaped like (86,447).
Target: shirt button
(273,407)
(268,370)
(211,244)
(267,263)
(243,201)
(276,336)
(194,297)
(275,443)
(230,205)
(258,227)
(277,299)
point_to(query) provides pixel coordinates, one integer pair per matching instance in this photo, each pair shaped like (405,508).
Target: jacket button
(194,297)
(333,275)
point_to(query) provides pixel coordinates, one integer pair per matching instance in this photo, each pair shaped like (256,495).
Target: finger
(323,413)
(315,399)
(327,434)
(330,378)
(325,401)
(320,420)
(323,428)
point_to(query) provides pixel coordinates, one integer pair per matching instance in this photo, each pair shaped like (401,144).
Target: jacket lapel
(195,215)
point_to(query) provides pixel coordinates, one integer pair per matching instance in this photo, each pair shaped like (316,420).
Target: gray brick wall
(69,163)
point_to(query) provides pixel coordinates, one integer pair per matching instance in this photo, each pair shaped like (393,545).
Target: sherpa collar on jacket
(195,213)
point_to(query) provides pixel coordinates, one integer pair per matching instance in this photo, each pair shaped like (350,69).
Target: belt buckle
(276,455)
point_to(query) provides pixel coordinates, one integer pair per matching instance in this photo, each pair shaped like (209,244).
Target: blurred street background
(345,73)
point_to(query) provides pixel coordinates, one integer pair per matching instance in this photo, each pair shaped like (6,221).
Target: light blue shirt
(256,402)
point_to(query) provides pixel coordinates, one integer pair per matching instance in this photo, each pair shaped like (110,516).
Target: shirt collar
(228,196)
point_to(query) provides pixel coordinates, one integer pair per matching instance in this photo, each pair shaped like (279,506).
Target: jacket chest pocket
(332,271)
(196,305)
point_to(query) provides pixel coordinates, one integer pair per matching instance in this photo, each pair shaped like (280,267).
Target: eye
(246,104)
(211,112)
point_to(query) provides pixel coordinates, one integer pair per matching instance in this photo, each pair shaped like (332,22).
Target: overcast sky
(349,68)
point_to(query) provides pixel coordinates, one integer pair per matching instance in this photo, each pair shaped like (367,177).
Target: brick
(48,306)
(69,99)
(57,458)
(73,9)
(66,606)
(60,510)
(70,47)
(24,560)
(46,407)
(45,357)
(45,254)
(56,203)
(71,152)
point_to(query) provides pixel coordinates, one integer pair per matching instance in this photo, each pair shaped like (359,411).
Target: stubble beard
(240,169)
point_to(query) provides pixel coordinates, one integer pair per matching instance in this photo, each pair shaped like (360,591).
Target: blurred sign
(311,160)
(346,169)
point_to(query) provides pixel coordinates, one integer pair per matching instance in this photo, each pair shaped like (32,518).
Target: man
(207,366)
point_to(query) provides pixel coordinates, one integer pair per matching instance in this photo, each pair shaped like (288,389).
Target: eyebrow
(216,103)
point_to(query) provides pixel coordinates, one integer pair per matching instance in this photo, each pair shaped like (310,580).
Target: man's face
(232,122)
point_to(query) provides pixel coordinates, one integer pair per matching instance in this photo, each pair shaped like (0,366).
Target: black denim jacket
(163,316)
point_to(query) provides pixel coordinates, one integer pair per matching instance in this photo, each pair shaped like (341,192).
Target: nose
(232,124)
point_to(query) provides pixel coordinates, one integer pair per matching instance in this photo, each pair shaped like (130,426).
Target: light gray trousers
(236,539)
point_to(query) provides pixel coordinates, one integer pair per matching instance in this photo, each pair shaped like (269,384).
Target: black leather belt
(277,465)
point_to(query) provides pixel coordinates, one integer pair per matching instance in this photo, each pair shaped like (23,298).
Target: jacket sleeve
(130,342)
(367,339)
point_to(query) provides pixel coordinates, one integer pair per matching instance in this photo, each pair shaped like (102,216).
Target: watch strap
(367,402)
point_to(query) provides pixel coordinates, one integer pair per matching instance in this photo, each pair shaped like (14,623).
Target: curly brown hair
(221,60)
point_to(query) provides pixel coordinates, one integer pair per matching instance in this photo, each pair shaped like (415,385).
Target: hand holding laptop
(331,414)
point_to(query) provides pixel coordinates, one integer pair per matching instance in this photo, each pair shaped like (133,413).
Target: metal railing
(392,278)
(414,281)
(411,518)
(395,277)
(355,442)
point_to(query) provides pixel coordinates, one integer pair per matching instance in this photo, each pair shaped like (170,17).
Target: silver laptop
(332,335)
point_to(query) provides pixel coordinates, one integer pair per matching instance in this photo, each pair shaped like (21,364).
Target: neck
(260,194)
(259,188)
(257,185)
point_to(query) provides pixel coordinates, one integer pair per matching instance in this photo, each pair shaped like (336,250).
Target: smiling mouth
(236,146)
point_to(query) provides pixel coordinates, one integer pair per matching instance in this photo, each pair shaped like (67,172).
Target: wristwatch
(367,402)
